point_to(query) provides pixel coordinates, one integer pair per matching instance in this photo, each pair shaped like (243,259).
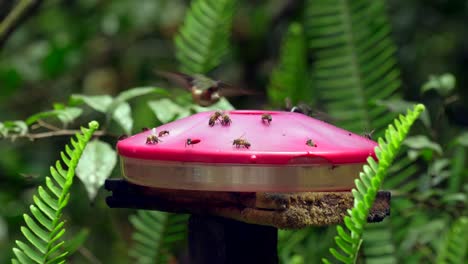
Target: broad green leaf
(132,93)
(422,142)
(123,116)
(400,106)
(166,110)
(443,84)
(96,165)
(462,139)
(17,127)
(65,115)
(99,103)
(290,78)
(69,114)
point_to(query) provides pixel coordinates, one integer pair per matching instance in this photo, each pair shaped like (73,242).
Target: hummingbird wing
(228,90)
(184,80)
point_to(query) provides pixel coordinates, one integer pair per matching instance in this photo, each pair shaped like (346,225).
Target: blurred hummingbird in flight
(205,91)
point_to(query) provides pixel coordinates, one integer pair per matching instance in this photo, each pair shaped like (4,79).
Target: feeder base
(280,210)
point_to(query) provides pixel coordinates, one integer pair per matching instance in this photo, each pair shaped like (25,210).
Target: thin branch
(19,14)
(47,125)
(64,132)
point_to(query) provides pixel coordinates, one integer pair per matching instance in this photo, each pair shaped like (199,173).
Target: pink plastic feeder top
(245,151)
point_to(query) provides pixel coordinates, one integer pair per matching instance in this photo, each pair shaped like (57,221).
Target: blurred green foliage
(95,50)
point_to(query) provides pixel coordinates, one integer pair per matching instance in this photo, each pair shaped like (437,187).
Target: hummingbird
(305,109)
(205,91)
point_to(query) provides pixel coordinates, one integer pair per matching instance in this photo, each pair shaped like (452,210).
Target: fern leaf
(378,243)
(386,152)
(156,234)
(44,227)
(355,64)
(203,39)
(454,248)
(289,79)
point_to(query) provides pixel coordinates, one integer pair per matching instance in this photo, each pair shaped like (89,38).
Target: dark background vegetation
(104,47)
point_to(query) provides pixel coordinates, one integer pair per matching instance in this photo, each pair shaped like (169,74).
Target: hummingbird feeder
(241,175)
(245,151)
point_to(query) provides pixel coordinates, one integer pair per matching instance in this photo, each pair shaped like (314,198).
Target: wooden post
(220,240)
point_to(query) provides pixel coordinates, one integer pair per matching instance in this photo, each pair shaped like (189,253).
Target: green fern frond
(369,182)
(156,234)
(45,227)
(289,79)
(355,64)
(378,244)
(455,246)
(203,39)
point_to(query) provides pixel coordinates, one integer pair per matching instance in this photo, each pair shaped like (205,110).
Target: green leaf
(400,106)
(423,142)
(462,139)
(132,93)
(65,115)
(355,61)
(166,110)
(444,84)
(203,39)
(99,103)
(454,249)
(44,244)
(123,116)
(96,165)
(156,233)
(16,127)
(363,200)
(289,78)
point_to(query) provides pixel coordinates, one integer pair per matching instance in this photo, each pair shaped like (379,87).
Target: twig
(55,133)
(16,16)
(47,125)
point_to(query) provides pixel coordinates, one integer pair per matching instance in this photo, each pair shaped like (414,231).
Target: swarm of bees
(266,118)
(241,142)
(310,143)
(223,118)
(190,141)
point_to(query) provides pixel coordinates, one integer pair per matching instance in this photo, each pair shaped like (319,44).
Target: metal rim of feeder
(275,151)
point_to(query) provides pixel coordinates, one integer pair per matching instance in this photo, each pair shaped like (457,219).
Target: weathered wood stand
(230,227)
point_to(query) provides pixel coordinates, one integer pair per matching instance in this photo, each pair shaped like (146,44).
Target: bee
(310,143)
(225,120)
(214,117)
(266,118)
(153,138)
(163,133)
(368,135)
(240,142)
(143,129)
(190,141)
